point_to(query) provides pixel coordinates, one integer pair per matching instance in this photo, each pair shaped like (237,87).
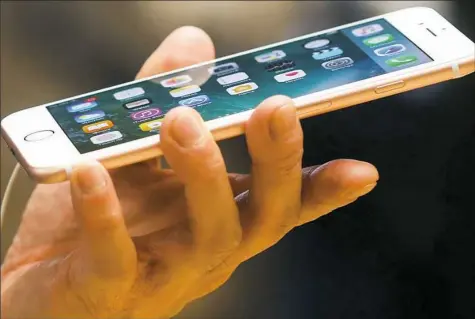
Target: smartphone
(321,72)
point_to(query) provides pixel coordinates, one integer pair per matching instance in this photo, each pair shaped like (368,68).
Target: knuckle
(106,223)
(223,267)
(218,259)
(235,239)
(283,164)
(208,162)
(221,264)
(219,249)
(230,243)
(274,229)
(289,164)
(288,154)
(285,224)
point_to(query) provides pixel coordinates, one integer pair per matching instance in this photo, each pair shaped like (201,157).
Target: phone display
(237,84)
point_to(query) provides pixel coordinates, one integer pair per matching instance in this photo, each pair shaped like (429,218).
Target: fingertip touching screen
(237,84)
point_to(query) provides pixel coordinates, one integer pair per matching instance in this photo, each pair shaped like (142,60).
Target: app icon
(90,116)
(223,69)
(134,104)
(379,39)
(194,101)
(232,78)
(106,137)
(338,63)
(316,44)
(401,60)
(128,94)
(96,127)
(390,50)
(80,107)
(367,30)
(280,65)
(270,56)
(238,89)
(327,53)
(291,75)
(176,81)
(185,90)
(150,126)
(145,114)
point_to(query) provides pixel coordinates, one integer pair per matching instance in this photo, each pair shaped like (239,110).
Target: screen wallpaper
(237,84)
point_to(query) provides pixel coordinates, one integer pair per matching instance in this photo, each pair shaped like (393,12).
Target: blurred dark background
(404,251)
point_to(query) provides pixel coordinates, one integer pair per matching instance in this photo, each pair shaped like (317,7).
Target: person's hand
(143,242)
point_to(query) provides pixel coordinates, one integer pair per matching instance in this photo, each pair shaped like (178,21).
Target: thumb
(109,250)
(333,185)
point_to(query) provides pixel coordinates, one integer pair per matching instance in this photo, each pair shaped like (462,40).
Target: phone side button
(389,87)
(315,109)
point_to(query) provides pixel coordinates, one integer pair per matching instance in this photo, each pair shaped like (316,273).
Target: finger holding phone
(143,242)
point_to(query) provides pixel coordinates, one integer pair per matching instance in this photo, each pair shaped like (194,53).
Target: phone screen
(237,84)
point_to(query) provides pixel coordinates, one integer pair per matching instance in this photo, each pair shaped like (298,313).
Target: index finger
(183,47)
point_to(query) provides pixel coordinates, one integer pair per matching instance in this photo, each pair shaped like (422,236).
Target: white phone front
(121,124)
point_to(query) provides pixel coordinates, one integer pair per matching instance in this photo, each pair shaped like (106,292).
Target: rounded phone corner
(421,10)
(48,175)
(12,118)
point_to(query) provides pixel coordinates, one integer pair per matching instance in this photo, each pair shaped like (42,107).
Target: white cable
(8,190)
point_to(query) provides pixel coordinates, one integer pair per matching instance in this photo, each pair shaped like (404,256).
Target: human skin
(143,242)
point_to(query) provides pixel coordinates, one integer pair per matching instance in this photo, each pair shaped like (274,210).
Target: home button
(38,136)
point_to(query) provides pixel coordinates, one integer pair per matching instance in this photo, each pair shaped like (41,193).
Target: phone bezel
(37,155)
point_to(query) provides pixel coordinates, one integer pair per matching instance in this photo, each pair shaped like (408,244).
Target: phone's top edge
(301,37)
(201,64)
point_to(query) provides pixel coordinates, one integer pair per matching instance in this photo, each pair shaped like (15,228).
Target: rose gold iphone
(322,71)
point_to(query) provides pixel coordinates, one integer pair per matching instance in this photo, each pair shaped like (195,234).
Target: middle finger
(197,161)
(275,142)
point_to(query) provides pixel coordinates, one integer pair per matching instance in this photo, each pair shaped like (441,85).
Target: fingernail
(361,191)
(283,120)
(90,178)
(187,130)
